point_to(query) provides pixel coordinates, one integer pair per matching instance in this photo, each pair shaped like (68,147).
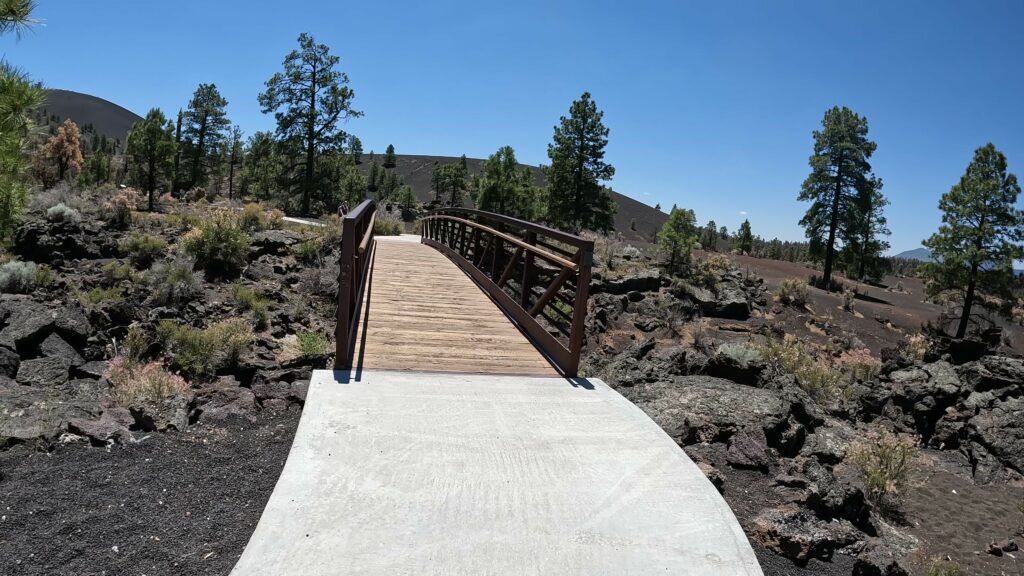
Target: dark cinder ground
(173,504)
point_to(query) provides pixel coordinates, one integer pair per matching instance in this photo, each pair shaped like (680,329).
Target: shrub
(45,277)
(387,225)
(251,300)
(255,217)
(115,273)
(941,567)
(117,210)
(860,364)
(18,277)
(98,295)
(143,249)
(885,461)
(309,250)
(199,353)
(791,356)
(914,348)
(132,382)
(705,273)
(135,344)
(792,292)
(218,245)
(62,213)
(313,344)
(849,298)
(742,354)
(172,281)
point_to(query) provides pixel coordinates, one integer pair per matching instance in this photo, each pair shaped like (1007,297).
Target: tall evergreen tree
(309,99)
(450,180)
(236,155)
(865,242)
(505,187)
(744,241)
(839,173)
(205,127)
(355,147)
(262,166)
(576,198)
(709,236)
(151,147)
(389,156)
(16,16)
(61,155)
(176,180)
(373,177)
(19,97)
(678,238)
(980,236)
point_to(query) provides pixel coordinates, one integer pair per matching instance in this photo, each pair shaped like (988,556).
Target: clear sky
(711,105)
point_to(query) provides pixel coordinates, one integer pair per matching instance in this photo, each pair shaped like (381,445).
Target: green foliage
(389,156)
(204,128)
(505,187)
(941,567)
(173,282)
(19,96)
(114,273)
(980,237)
(744,241)
(18,277)
(791,356)
(136,343)
(62,213)
(678,238)
(16,16)
(99,295)
(247,299)
(45,277)
(263,167)
(862,254)
(310,250)
(886,462)
(706,272)
(143,249)
(151,148)
(840,173)
(199,353)
(255,218)
(218,245)
(309,76)
(449,180)
(313,344)
(387,225)
(792,292)
(133,382)
(576,198)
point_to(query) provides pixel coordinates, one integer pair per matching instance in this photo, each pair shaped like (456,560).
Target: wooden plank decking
(421,312)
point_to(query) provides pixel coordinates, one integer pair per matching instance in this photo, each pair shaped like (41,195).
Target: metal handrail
(477,241)
(354,262)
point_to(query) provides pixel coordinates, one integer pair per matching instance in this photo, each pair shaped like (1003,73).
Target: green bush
(250,300)
(18,277)
(255,218)
(199,353)
(310,250)
(45,277)
(172,281)
(941,567)
(219,245)
(791,356)
(115,273)
(387,225)
(313,344)
(143,249)
(98,295)
(792,292)
(886,462)
(62,213)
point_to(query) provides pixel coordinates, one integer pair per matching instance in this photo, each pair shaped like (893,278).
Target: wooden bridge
(476,293)
(454,438)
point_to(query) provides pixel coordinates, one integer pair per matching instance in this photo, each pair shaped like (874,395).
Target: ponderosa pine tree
(355,149)
(864,243)
(450,180)
(16,16)
(205,128)
(839,173)
(576,198)
(678,238)
(61,155)
(373,177)
(262,167)
(19,97)
(176,174)
(709,236)
(505,187)
(309,99)
(744,241)
(236,155)
(389,156)
(152,148)
(980,236)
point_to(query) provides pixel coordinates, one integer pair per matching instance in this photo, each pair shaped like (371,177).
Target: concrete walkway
(404,473)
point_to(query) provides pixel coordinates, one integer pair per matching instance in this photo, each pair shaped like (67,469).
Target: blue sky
(710,105)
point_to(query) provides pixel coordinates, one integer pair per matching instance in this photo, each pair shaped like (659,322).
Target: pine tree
(709,236)
(576,198)
(658,207)
(864,242)
(356,150)
(309,99)
(151,147)
(744,242)
(205,127)
(353,186)
(449,179)
(236,154)
(16,16)
(678,238)
(19,97)
(389,156)
(839,173)
(176,177)
(504,187)
(62,153)
(980,236)
(373,177)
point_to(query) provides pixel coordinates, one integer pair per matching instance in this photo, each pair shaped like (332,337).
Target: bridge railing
(354,262)
(539,276)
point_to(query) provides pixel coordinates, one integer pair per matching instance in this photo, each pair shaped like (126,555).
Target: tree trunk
(830,249)
(231,177)
(310,144)
(176,177)
(197,158)
(151,180)
(965,315)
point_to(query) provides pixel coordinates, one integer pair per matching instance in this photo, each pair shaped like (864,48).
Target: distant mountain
(417,170)
(922,254)
(105,117)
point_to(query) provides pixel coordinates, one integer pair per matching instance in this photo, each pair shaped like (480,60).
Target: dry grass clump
(199,353)
(814,374)
(218,244)
(305,344)
(142,249)
(255,217)
(705,272)
(387,225)
(886,462)
(134,382)
(250,300)
(792,292)
(914,348)
(859,364)
(849,298)
(172,281)
(117,210)
(940,567)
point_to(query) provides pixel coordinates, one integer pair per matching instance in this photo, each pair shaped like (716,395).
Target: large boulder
(59,242)
(643,281)
(1000,431)
(222,400)
(55,347)
(727,300)
(42,413)
(111,426)
(47,372)
(278,242)
(798,535)
(9,361)
(27,324)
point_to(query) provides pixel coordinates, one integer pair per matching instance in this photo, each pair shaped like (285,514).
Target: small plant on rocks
(62,213)
(792,292)
(18,277)
(252,301)
(117,210)
(313,344)
(939,567)
(172,281)
(115,272)
(199,353)
(886,462)
(143,249)
(133,382)
(849,298)
(387,225)
(218,245)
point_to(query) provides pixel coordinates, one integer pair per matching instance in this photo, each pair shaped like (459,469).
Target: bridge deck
(421,312)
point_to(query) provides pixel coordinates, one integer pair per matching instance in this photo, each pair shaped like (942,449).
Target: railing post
(526,284)
(579,310)
(346,261)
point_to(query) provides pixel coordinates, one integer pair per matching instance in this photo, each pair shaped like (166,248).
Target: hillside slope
(416,171)
(107,118)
